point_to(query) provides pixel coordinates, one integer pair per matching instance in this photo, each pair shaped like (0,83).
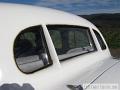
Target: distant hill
(109,25)
(104,20)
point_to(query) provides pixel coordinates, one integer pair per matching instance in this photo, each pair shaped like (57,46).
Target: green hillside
(109,25)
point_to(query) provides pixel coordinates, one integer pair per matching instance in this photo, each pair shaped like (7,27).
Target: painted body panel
(78,70)
(111,76)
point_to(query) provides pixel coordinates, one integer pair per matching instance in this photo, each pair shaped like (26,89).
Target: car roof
(27,14)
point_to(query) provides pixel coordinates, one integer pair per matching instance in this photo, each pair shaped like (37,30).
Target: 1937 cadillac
(47,49)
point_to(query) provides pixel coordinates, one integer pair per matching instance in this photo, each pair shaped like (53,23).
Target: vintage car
(48,49)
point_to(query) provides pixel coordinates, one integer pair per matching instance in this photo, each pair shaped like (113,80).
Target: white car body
(87,68)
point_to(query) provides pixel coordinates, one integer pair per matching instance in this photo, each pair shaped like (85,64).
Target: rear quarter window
(100,40)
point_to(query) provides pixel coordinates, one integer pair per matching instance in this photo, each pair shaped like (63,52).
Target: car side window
(100,40)
(30,50)
(70,41)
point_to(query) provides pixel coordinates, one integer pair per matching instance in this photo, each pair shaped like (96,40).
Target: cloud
(60,1)
(75,6)
(80,6)
(95,11)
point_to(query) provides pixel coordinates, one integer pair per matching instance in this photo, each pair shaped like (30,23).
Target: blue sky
(76,6)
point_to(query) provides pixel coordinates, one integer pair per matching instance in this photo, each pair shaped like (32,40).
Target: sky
(79,7)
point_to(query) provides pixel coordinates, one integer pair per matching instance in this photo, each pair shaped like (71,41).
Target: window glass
(56,39)
(30,51)
(75,40)
(70,41)
(100,40)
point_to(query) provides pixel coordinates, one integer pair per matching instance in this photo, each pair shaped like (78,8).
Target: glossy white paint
(0,75)
(78,70)
(111,76)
